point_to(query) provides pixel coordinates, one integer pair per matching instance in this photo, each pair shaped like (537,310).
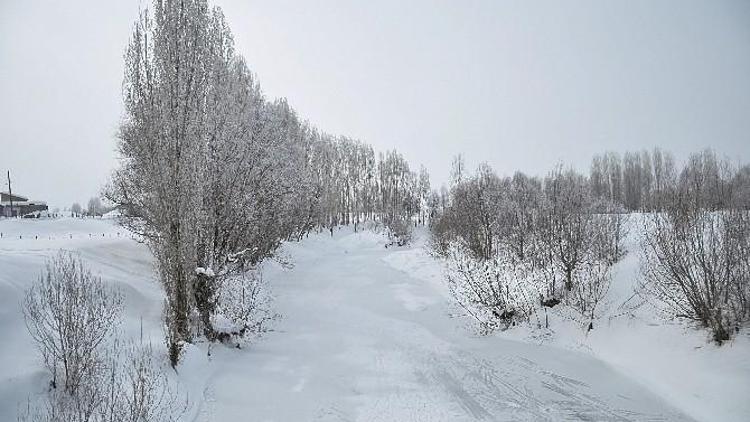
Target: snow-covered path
(362,341)
(359,341)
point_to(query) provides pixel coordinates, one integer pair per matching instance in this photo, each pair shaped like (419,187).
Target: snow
(208,272)
(368,334)
(674,360)
(222,324)
(25,245)
(115,213)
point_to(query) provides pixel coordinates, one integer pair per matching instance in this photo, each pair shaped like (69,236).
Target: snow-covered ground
(367,335)
(673,360)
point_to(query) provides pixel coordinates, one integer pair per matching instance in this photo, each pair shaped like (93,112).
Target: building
(21,205)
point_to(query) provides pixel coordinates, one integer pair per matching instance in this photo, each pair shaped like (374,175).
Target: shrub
(695,263)
(400,231)
(69,314)
(243,308)
(135,389)
(496,293)
(593,279)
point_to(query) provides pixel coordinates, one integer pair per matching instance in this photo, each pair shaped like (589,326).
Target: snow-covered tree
(76,209)
(215,176)
(95,207)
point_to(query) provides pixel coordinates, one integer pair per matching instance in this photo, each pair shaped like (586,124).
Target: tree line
(215,176)
(644,181)
(352,185)
(516,246)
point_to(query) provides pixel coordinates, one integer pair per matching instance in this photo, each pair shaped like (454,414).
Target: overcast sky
(519,85)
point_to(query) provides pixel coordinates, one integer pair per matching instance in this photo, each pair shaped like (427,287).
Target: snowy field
(369,334)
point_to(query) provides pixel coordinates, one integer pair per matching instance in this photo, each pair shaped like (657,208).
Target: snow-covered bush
(521,213)
(566,226)
(73,316)
(497,292)
(737,223)
(400,231)
(70,314)
(440,235)
(575,231)
(137,389)
(133,389)
(525,235)
(593,279)
(243,308)
(609,229)
(474,216)
(696,264)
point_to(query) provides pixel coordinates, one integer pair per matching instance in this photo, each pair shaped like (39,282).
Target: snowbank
(674,360)
(365,335)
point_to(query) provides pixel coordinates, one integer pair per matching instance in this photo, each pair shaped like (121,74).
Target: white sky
(519,85)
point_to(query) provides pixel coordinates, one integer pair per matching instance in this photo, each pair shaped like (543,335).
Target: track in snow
(361,341)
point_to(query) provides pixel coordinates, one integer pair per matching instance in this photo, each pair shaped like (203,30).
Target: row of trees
(215,176)
(352,185)
(645,181)
(95,208)
(517,244)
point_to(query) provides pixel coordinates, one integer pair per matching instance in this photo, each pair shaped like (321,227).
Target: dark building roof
(6,197)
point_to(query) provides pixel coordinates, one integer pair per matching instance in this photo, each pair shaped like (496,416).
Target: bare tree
(70,313)
(523,214)
(474,214)
(632,181)
(593,280)
(213,176)
(664,177)
(567,224)
(695,254)
(95,207)
(571,229)
(535,233)
(741,188)
(608,230)
(398,195)
(707,180)
(76,209)
(424,194)
(695,263)
(458,170)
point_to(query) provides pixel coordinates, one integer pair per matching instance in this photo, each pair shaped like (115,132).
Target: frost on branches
(516,245)
(216,176)
(496,293)
(243,308)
